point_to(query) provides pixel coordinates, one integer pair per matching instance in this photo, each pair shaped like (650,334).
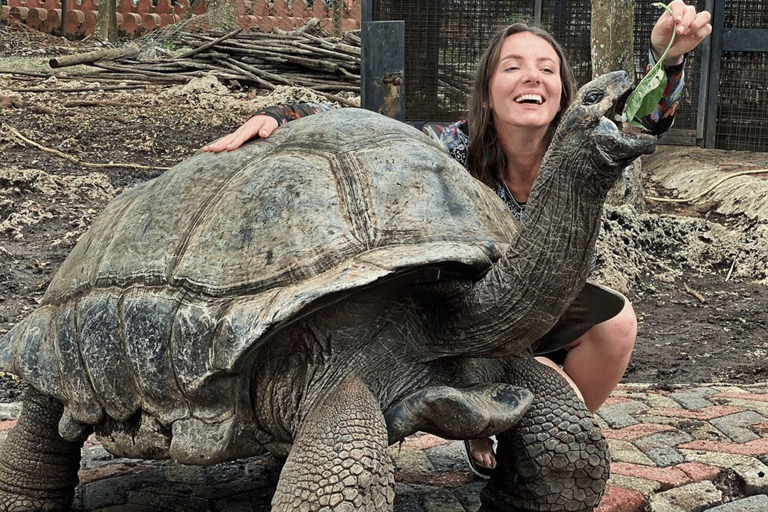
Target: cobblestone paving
(702,449)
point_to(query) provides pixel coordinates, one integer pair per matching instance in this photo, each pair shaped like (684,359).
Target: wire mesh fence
(742,102)
(444,39)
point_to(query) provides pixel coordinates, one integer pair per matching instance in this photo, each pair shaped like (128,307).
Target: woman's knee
(625,328)
(614,338)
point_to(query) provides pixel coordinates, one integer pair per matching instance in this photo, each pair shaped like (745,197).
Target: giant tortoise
(321,295)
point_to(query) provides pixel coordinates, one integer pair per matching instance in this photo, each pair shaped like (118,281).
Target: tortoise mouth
(616,113)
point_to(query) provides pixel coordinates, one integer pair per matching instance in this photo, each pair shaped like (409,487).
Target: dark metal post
(64,18)
(382,71)
(704,80)
(537,8)
(710,125)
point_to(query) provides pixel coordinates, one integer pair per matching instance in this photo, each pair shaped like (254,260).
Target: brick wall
(135,20)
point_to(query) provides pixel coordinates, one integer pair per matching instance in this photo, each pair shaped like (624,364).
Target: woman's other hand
(692,28)
(260,125)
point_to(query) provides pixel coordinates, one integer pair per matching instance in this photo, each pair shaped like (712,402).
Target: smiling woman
(526,91)
(526,87)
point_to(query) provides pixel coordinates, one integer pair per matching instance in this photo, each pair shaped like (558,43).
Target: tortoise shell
(163,304)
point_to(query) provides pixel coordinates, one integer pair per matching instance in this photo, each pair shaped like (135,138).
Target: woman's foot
(481,456)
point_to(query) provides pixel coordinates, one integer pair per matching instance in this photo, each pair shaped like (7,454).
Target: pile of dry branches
(254,59)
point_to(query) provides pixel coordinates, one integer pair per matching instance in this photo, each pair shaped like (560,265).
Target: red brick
(698,471)
(452,480)
(636,431)
(671,476)
(619,499)
(612,400)
(423,442)
(756,447)
(707,413)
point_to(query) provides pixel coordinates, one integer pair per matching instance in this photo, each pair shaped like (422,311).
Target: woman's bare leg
(597,361)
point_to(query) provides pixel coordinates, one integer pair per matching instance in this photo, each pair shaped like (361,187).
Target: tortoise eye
(592,97)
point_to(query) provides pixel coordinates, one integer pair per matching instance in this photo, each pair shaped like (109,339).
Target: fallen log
(124,52)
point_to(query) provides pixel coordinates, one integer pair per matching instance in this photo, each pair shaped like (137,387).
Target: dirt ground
(697,277)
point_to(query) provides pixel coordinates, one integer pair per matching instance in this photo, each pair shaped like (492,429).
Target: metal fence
(444,38)
(742,98)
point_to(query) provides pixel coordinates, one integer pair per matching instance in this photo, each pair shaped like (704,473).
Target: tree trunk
(106,22)
(112,21)
(612,37)
(222,15)
(612,41)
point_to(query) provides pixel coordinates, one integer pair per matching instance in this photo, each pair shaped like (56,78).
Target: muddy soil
(696,277)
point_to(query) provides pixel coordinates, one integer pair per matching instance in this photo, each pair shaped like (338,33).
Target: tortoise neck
(545,267)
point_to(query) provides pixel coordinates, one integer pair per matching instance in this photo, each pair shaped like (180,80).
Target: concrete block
(621,415)
(696,497)
(751,504)
(737,426)
(755,476)
(661,447)
(697,398)
(624,451)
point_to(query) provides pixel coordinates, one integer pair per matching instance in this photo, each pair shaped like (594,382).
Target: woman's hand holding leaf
(679,30)
(689,27)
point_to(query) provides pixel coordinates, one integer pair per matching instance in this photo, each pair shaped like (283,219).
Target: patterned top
(454,137)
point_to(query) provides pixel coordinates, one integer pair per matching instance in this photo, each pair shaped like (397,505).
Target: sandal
(483,472)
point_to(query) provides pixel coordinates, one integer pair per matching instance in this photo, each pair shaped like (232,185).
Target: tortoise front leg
(555,458)
(38,469)
(339,460)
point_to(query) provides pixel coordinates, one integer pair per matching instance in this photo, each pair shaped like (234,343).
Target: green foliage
(650,90)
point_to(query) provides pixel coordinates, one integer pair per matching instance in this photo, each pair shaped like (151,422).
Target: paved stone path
(701,449)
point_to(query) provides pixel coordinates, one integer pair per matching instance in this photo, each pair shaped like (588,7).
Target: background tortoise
(322,294)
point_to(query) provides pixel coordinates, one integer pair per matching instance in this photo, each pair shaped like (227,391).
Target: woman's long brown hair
(486,159)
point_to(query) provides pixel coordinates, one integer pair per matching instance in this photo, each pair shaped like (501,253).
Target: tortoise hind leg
(38,469)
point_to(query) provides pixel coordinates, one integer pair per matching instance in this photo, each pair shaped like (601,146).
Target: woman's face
(526,87)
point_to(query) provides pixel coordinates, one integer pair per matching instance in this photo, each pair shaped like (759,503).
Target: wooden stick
(80,89)
(208,45)
(91,57)
(730,271)
(97,103)
(240,67)
(695,293)
(74,160)
(337,99)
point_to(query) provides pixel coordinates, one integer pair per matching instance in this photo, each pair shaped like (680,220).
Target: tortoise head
(594,127)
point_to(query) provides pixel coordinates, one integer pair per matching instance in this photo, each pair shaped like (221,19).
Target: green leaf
(650,90)
(646,95)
